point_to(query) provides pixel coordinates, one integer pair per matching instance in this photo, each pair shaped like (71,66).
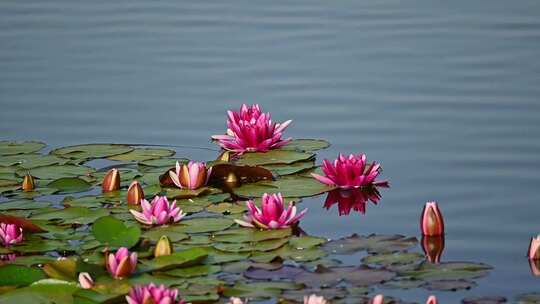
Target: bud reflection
(433,247)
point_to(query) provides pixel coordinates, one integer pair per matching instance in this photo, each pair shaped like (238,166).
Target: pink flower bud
(431,222)
(111,181)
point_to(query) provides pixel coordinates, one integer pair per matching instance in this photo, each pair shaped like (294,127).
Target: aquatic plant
(28,183)
(163,247)
(85,280)
(111,181)
(152,294)
(431,221)
(10,234)
(350,172)
(534,248)
(251,130)
(314,299)
(192,175)
(272,215)
(158,212)
(121,264)
(135,193)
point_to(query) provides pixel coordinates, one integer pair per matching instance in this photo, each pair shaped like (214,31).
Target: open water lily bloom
(158,212)
(251,130)
(121,264)
(152,294)
(350,172)
(10,234)
(272,215)
(192,175)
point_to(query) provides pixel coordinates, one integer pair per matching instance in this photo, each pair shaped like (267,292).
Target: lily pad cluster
(70,225)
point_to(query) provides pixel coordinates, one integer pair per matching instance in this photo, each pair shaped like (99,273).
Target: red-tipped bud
(431,222)
(111,181)
(431,300)
(433,247)
(28,183)
(534,248)
(135,193)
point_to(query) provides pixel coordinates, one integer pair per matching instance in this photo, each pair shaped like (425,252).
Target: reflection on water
(433,247)
(352,199)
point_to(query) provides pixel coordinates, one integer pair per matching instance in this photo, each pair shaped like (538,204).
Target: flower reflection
(352,199)
(433,247)
(535,267)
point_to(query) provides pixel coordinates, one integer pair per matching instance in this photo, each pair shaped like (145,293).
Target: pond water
(444,95)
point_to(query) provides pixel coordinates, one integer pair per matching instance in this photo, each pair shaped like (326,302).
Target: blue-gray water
(444,95)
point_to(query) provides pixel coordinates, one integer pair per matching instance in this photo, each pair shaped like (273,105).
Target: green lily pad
(163,162)
(70,184)
(306,241)
(357,276)
(79,215)
(47,291)
(307,145)
(267,245)
(113,232)
(448,271)
(289,186)
(398,258)
(29,161)
(24,205)
(485,300)
(91,151)
(194,271)
(226,208)
(65,269)
(12,148)
(286,169)
(172,232)
(19,275)
(204,224)
(184,258)
(260,290)
(300,255)
(242,235)
(57,171)
(372,243)
(143,154)
(273,157)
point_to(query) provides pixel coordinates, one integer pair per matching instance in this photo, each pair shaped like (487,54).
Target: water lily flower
(163,247)
(85,280)
(314,299)
(10,234)
(7,258)
(159,212)
(431,222)
(350,172)
(152,294)
(432,300)
(121,264)
(28,183)
(135,193)
(433,247)
(111,181)
(235,300)
(534,248)
(378,299)
(192,175)
(273,214)
(352,199)
(250,130)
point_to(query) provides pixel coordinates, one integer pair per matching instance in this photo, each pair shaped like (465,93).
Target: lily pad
(184,258)
(12,148)
(273,157)
(29,161)
(19,275)
(204,224)
(172,232)
(91,151)
(372,243)
(308,145)
(250,235)
(143,154)
(294,186)
(448,271)
(357,276)
(24,205)
(47,291)
(398,258)
(260,289)
(484,300)
(113,232)
(79,215)
(57,171)
(286,169)
(70,184)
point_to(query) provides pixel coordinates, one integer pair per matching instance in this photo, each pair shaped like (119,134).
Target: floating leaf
(163,162)
(204,224)
(260,289)
(58,171)
(184,258)
(449,285)
(267,245)
(250,174)
(224,208)
(113,232)
(273,157)
(294,186)
(286,169)
(308,145)
(250,235)
(47,291)
(79,215)
(172,232)
(485,300)
(372,243)
(24,205)
(357,276)
(194,271)
(283,273)
(306,241)
(398,258)
(143,154)
(91,151)
(19,275)
(64,269)
(448,271)
(70,184)
(11,147)
(29,161)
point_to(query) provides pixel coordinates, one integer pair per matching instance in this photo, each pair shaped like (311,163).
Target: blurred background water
(444,95)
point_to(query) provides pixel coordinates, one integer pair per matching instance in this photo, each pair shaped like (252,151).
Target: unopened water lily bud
(85,280)
(378,299)
(135,193)
(534,248)
(111,181)
(28,183)
(431,222)
(163,247)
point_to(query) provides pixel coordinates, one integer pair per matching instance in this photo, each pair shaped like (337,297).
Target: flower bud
(431,222)
(28,183)
(111,181)
(535,267)
(85,280)
(163,247)
(226,157)
(232,180)
(432,300)
(378,299)
(534,248)
(433,247)
(135,193)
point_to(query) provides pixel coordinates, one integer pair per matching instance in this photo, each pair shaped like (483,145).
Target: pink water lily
(273,214)
(152,294)
(10,234)
(158,212)
(121,264)
(192,175)
(251,130)
(350,172)
(314,299)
